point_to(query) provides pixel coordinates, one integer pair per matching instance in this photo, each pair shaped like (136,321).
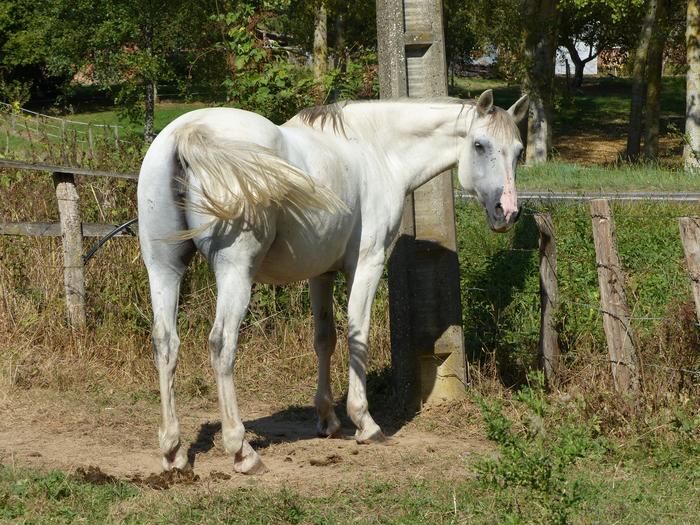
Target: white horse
(322,193)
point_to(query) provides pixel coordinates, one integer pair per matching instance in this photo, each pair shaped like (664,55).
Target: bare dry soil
(105,441)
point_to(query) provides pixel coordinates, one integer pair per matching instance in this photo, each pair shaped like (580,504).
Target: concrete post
(427,341)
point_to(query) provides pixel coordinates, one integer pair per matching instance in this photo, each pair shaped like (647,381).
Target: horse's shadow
(298,423)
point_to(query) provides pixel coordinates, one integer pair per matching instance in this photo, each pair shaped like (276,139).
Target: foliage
(261,77)
(535,455)
(123,46)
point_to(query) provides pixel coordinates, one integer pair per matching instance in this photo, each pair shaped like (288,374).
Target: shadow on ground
(298,423)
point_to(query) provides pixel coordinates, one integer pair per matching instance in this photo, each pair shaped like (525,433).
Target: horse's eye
(479,146)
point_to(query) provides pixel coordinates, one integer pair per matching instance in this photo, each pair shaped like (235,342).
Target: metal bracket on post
(427,341)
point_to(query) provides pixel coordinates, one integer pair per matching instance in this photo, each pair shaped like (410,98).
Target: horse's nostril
(499,206)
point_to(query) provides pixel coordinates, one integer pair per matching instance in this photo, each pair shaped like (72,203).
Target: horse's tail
(238,179)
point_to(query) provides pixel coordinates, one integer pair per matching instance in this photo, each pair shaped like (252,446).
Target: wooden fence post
(616,317)
(550,354)
(71,230)
(690,236)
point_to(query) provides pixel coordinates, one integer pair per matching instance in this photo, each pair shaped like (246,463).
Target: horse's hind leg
(321,289)
(166,265)
(234,268)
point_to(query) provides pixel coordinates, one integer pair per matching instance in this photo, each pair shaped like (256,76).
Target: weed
(535,456)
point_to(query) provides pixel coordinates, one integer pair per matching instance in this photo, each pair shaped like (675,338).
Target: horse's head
(488,161)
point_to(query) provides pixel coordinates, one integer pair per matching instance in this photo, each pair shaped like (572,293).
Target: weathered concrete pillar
(427,341)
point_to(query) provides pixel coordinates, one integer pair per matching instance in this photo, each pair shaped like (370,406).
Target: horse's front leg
(321,289)
(362,284)
(233,296)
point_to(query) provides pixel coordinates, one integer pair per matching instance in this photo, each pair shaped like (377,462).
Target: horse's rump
(231,179)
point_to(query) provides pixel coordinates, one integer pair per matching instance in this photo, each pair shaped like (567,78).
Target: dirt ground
(70,433)
(606,146)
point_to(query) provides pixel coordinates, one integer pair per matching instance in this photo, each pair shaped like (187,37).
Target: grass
(562,176)
(165,113)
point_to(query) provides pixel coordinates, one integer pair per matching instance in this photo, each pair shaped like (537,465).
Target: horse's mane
(500,121)
(324,113)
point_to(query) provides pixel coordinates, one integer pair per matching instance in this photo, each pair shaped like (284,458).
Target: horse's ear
(485,103)
(519,110)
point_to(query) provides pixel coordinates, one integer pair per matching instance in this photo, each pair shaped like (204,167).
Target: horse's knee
(324,341)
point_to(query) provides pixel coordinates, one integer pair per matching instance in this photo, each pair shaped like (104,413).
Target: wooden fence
(70,228)
(624,359)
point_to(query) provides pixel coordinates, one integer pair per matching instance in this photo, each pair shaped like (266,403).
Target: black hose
(107,237)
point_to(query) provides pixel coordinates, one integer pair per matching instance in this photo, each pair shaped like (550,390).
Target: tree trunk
(579,64)
(540,48)
(320,47)
(634,135)
(151,96)
(691,152)
(652,104)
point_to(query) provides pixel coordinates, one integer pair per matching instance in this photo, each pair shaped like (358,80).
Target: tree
(599,24)
(22,50)
(540,43)
(639,71)
(126,44)
(460,39)
(691,152)
(654,70)
(320,53)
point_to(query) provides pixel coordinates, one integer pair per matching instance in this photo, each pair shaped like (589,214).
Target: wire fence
(29,133)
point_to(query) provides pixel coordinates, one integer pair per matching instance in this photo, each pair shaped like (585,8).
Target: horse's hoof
(367,439)
(247,461)
(177,459)
(330,430)
(250,467)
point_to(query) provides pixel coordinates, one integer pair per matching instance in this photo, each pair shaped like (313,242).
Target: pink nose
(509,201)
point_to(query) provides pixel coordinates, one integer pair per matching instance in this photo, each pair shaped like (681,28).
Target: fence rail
(69,170)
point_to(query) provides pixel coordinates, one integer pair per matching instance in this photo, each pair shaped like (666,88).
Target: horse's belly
(296,261)
(299,253)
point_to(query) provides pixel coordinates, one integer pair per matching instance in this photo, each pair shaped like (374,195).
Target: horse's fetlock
(323,402)
(233,438)
(169,439)
(356,409)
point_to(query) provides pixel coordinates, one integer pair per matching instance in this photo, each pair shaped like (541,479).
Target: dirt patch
(607,146)
(105,443)
(328,460)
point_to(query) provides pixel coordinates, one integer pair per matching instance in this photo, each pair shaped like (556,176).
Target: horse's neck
(417,140)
